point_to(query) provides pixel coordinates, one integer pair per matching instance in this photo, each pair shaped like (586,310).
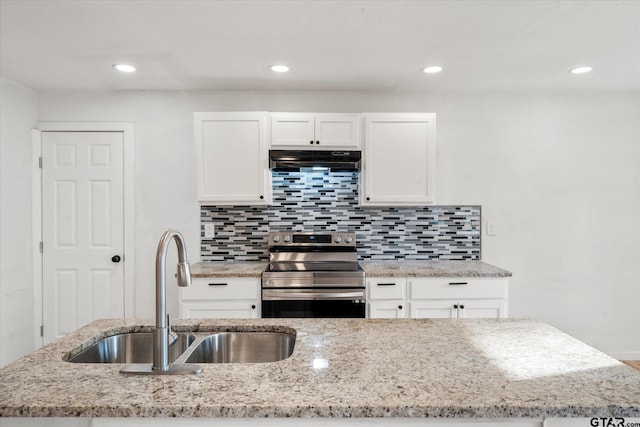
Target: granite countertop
(342,368)
(435,268)
(399,268)
(228,269)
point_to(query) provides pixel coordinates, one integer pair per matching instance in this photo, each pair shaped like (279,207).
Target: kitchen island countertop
(442,368)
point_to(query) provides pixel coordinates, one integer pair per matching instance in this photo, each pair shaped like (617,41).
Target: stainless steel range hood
(294,160)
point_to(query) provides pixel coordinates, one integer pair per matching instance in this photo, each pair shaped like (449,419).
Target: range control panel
(326,238)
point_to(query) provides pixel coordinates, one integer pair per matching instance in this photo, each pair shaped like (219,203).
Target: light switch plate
(209,231)
(491,228)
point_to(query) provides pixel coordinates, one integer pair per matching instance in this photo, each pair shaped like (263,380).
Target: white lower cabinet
(386,298)
(458,309)
(221,297)
(392,309)
(457,297)
(442,297)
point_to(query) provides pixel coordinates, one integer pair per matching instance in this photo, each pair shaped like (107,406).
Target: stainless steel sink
(189,347)
(131,348)
(243,347)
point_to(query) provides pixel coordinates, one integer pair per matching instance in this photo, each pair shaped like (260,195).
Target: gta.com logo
(612,422)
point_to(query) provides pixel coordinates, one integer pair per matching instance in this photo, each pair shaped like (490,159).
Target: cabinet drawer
(223,288)
(456,287)
(386,288)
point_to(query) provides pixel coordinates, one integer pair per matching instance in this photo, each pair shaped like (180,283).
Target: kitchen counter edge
(372,268)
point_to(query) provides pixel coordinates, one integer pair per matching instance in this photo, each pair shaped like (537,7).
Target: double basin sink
(192,347)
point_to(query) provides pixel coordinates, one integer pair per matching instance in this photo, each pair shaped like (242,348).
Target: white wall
(18,115)
(556,172)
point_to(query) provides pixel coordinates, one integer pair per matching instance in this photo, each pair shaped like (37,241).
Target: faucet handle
(172,336)
(184,274)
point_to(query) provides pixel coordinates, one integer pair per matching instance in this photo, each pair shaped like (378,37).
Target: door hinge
(41,247)
(41,330)
(40,162)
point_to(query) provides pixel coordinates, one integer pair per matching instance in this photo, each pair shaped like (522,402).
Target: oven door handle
(281,295)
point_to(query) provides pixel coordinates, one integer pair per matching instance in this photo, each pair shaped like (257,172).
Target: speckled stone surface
(228,269)
(401,268)
(342,368)
(407,268)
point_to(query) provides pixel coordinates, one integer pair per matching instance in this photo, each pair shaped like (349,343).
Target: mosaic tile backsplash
(314,201)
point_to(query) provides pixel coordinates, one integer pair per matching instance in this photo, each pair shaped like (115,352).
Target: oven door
(317,303)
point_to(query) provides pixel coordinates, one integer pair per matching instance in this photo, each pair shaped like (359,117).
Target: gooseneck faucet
(163,327)
(161,364)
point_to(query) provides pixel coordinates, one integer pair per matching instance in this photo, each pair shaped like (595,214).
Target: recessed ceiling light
(581,69)
(125,68)
(279,68)
(432,69)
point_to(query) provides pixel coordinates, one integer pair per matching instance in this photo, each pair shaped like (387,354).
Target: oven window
(318,309)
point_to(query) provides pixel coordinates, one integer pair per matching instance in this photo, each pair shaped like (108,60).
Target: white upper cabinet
(312,131)
(232,160)
(399,159)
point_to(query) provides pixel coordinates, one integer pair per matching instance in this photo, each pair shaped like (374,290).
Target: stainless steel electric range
(313,275)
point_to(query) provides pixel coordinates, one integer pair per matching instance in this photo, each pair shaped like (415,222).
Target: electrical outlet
(209,231)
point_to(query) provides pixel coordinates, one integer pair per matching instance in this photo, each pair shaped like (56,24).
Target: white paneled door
(82,229)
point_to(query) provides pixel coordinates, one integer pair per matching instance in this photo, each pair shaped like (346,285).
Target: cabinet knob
(253,306)
(311,142)
(115,258)
(261,197)
(399,307)
(455,306)
(462,306)
(317,142)
(368,198)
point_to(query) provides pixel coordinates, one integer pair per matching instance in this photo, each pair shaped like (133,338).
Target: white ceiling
(329,45)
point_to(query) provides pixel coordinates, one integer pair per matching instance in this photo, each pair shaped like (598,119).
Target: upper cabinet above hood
(294,160)
(234,150)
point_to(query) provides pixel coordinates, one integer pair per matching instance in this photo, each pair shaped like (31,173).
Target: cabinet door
(399,159)
(337,131)
(482,309)
(232,160)
(302,131)
(433,309)
(289,130)
(391,309)
(451,309)
(218,310)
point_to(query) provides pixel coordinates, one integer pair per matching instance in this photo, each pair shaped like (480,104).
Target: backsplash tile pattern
(313,201)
